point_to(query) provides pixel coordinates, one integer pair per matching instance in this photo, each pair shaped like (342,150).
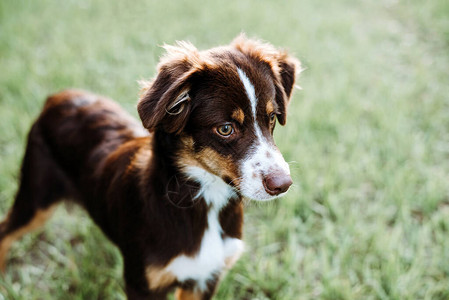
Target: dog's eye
(272,118)
(225,130)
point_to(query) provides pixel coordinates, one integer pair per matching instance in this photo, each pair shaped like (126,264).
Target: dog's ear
(284,68)
(166,103)
(287,69)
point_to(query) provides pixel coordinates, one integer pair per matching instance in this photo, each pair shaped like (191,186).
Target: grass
(367,138)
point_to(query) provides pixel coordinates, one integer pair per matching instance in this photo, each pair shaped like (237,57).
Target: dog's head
(222,105)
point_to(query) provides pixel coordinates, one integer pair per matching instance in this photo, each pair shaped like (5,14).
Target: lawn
(367,139)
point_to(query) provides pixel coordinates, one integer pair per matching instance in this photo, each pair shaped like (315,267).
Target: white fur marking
(214,250)
(214,190)
(250,92)
(258,163)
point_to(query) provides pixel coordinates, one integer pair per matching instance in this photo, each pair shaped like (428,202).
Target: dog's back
(81,129)
(67,145)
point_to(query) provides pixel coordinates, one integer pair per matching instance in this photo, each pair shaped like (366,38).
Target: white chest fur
(215,252)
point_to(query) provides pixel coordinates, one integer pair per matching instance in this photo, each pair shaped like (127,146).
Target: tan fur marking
(208,159)
(270,107)
(40,217)
(186,154)
(181,294)
(159,277)
(142,156)
(238,115)
(218,164)
(231,260)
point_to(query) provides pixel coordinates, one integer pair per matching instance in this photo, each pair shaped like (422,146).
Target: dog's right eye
(225,130)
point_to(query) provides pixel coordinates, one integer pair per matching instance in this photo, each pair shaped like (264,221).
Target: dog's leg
(18,223)
(182,294)
(194,294)
(137,285)
(42,185)
(134,294)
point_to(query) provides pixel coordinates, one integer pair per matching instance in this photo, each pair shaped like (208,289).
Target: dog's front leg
(190,293)
(133,293)
(137,287)
(182,294)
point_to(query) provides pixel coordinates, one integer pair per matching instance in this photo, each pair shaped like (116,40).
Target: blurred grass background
(367,138)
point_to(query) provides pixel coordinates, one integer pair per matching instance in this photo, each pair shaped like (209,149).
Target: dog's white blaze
(266,157)
(250,91)
(214,250)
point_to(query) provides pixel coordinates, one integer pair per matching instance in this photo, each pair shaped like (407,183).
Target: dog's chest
(216,251)
(215,254)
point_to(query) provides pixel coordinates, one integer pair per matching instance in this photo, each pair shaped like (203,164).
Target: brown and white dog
(170,197)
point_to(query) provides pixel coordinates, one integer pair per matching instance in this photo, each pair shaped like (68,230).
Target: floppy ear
(287,69)
(165,103)
(283,66)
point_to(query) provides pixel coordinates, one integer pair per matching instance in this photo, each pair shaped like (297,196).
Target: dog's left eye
(225,130)
(272,118)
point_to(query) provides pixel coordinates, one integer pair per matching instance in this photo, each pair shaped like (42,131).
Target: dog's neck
(213,189)
(200,182)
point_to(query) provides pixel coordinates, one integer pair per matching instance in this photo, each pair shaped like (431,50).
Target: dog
(168,194)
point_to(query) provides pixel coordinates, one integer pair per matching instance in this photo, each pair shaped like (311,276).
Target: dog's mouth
(263,187)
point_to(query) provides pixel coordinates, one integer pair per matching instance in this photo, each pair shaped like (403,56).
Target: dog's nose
(277,183)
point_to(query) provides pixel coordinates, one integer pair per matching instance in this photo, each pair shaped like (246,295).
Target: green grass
(367,138)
